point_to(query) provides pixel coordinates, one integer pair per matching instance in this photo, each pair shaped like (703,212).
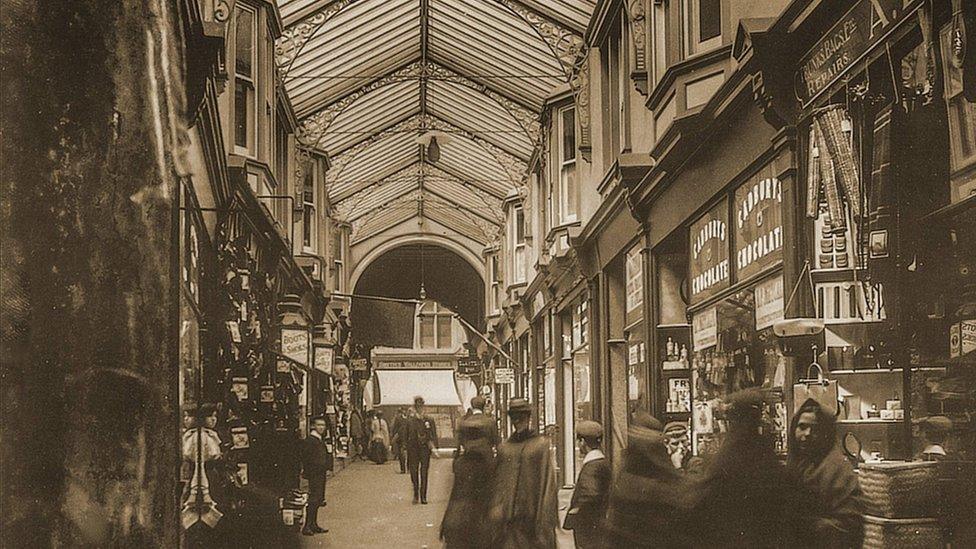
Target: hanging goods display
(832,167)
(824,391)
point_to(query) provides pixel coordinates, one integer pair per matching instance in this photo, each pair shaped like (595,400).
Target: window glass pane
(519,226)
(709,19)
(569,135)
(240,113)
(569,192)
(244,50)
(427,332)
(444,332)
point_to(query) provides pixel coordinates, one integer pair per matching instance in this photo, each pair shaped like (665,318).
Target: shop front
(889,169)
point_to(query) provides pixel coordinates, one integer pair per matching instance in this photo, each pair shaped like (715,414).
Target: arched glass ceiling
(367,78)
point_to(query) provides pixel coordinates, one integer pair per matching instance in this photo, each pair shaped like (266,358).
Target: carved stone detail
(581,96)
(289,45)
(638,32)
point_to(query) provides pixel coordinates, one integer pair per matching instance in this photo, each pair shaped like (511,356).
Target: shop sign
(863,26)
(967,336)
(633,354)
(324,357)
(710,253)
(758,226)
(469,366)
(358,364)
(704,328)
(504,375)
(769,302)
(294,345)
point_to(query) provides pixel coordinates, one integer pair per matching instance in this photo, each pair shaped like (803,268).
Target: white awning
(399,387)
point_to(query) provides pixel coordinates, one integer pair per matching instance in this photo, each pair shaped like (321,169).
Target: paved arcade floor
(370,506)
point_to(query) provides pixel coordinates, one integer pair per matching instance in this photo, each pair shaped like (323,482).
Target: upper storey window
(702,25)
(518,245)
(435,326)
(568,186)
(245,65)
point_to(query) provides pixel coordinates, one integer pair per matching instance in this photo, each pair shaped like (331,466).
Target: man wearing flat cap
(522,509)
(588,506)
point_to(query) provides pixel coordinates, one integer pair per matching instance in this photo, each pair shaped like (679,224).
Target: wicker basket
(900,489)
(888,533)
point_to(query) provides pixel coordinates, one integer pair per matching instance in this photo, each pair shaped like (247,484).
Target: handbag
(819,388)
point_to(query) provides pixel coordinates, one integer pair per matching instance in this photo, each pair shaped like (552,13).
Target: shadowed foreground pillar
(92,126)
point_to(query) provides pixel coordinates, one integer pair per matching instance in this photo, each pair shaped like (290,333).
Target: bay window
(245,65)
(568,186)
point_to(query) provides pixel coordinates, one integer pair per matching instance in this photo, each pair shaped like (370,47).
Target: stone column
(92,138)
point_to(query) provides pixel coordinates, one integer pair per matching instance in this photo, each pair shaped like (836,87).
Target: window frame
(634,284)
(691,27)
(962,167)
(518,244)
(568,213)
(248,82)
(437,315)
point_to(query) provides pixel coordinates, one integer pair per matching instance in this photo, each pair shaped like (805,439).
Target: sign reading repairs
(850,38)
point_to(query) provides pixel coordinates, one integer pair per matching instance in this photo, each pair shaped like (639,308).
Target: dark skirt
(377,452)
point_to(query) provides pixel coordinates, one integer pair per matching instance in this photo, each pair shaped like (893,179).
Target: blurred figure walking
(522,509)
(588,506)
(380,438)
(464,525)
(397,433)
(651,499)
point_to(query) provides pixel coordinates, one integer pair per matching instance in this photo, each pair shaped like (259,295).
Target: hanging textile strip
(813,175)
(842,156)
(838,221)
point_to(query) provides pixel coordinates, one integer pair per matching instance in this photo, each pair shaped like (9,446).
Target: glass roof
(369,79)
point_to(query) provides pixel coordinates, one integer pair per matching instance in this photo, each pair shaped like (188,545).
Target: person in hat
(316,462)
(934,431)
(650,500)
(398,433)
(676,434)
(522,508)
(464,519)
(816,462)
(746,498)
(420,439)
(588,506)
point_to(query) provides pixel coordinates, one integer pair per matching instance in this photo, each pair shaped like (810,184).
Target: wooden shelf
(869,421)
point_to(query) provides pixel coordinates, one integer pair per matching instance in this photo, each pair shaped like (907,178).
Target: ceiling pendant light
(433,141)
(433,150)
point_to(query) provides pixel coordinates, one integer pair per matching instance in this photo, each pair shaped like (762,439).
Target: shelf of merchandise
(883,371)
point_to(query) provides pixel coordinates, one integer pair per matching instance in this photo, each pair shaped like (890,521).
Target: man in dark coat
(421,439)
(650,501)
(588,506)
(398,433)
(316,461)
(522,509)
(464,520)
(815,461)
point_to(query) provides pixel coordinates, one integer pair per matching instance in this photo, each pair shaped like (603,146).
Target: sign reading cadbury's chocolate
(857,31)
(758,220)
(710,253)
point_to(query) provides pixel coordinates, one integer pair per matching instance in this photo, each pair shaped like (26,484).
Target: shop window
(635,280)
(568,186)
(581,324)
(702,25)
(547,324)
(962,124)
(245,32)
(518,244)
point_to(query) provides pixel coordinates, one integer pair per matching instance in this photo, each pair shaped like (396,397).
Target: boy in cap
(522,508)
(588,506)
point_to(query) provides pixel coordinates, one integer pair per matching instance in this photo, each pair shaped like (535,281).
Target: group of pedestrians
(504,493)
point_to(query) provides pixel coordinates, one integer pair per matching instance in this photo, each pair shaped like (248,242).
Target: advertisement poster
(294,345)
(769,302)
(758,222)
(323,359)
(704,329)
(710,253)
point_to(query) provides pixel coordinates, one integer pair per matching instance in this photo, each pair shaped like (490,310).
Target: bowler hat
(589,429)
(478,402)
(519,405)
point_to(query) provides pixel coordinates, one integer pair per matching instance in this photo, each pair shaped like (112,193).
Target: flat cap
(589,429)
(519,405)
(478,402)
(936,424)
(674,427)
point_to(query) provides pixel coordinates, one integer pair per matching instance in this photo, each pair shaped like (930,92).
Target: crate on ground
(893,533)
(900,489)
